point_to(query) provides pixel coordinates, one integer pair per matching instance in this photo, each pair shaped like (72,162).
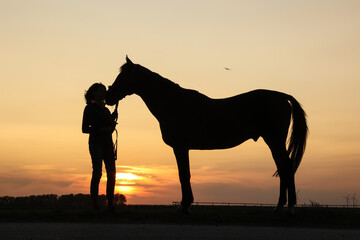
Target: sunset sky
(52,51)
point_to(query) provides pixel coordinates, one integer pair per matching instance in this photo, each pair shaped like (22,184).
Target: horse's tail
(299,132)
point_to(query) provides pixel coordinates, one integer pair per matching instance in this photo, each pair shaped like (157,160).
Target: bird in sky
(228,69)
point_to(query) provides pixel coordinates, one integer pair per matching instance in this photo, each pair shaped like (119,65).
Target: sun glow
(126,183)
(126,176)
(125,189)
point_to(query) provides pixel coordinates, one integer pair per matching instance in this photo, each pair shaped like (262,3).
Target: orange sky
(51,52)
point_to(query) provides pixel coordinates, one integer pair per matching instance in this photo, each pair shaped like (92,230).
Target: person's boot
(96,206)
(111,207)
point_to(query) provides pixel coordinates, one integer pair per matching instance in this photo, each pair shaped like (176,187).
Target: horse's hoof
(290,211)
(279,210)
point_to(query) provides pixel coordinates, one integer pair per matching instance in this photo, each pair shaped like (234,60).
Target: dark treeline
(53,200)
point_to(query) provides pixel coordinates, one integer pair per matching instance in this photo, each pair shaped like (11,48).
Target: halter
(116,132)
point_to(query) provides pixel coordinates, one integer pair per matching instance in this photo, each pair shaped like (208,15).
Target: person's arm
(86,125)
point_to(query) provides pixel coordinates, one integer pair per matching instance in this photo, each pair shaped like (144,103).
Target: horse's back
(257,96)
(250,106)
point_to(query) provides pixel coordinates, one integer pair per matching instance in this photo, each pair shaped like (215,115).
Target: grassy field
(314,217)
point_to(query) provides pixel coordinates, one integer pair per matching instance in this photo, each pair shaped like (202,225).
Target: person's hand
(115,114)
(113,126)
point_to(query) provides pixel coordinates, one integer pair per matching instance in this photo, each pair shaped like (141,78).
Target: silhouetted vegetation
(53,200)
(78,208)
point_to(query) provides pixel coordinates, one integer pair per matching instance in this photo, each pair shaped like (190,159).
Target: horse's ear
(128,60)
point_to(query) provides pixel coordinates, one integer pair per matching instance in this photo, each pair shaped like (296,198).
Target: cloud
(40,179)
(150,184)
(161,185)
(17,184)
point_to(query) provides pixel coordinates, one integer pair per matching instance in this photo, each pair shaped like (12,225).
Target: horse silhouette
(191,120)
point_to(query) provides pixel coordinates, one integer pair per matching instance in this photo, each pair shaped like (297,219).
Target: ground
(64,231)
(162,222)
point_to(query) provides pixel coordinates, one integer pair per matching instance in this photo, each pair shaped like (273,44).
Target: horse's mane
(154,77)
(156,84)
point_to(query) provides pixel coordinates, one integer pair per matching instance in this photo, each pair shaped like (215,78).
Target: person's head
(95,93)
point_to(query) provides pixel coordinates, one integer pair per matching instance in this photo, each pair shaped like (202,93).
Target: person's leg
(110,167)
(96,152)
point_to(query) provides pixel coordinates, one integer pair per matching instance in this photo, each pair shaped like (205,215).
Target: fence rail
(176,203)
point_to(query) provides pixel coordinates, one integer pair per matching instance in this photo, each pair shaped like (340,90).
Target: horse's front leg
(182,159)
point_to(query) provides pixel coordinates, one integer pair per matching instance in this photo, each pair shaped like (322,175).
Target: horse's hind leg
(182,158)
(287,178)
(286,173)
(280,164)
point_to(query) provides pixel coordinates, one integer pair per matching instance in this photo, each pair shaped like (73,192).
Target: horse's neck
(157,93)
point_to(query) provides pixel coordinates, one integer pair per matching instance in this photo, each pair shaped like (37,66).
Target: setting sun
(126,176)
(124,189)
(126,182)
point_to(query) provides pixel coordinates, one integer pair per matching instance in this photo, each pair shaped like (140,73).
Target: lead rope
(116,133)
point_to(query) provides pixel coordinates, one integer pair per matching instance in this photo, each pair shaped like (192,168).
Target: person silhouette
(99,123)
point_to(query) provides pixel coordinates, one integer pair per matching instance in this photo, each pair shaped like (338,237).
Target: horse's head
(123,85)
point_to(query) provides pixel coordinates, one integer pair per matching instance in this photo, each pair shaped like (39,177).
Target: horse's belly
(219,141)
(216,133)
(214,145)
